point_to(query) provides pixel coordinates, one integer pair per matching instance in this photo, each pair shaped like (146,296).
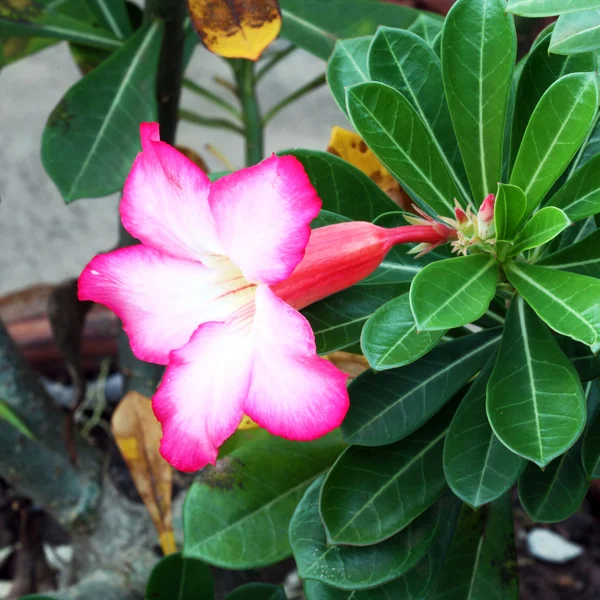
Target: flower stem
(305,89)
(201,91)
(253,126)
(192,117)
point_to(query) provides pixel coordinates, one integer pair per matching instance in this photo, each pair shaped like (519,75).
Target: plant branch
(305,89)
(272,61)
(192,117)
(253,126)
(41,468)
(212,97)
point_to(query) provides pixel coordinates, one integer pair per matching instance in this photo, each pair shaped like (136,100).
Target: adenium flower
(213,292)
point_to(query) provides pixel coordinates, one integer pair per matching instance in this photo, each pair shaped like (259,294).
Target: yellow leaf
(351,364)
(247,423)
(351,147)
(138,433)
(236,28)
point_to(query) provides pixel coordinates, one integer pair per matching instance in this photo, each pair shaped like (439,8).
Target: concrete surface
(42,239)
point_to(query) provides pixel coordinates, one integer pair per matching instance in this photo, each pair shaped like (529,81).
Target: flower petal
(263,215)
(165,201)
(199,401)
(161,299)
(293,392)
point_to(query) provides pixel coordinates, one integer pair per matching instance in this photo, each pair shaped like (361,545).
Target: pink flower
(213,289)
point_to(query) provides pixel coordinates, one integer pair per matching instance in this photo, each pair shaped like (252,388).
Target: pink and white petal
(199,401)
(165,201)
(263,215)
(160,299)
(293,392)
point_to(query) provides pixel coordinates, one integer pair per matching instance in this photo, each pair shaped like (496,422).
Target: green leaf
(372,493)
(343,188)
(178,578)
(576,33)
(540,70)
(573,235)
(558,126)
(548,8)
(257,591)
(544,226)
(535,402)
(390,338)
(566,302)
(583,257)
(586,364)
(391,127)
(113,16)
(415,585)
(7,414)
(478,467)
(590,451)
(250,496)
(338,320)
(325,218)
(26,19)
(315,25)
(426,28)
(405,62)
(479,48)
(92,136)
(387,407)
(348,66)
(579,197)
(453,292)
(362,567)
(481,561)
(556,493)
(509,211)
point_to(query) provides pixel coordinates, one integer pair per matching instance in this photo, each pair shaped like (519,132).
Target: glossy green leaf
(362,567)
(590,451)
(7,414)
(315,25)
(325,218)
(390,338)
(398,266)
(338,320)
(479,48)
(478,467)
(343,188)
(417,584)
(389,406)
(535,403)
(579,197)
(548,8)
(585,362)
(92,136)
(391,127)
(347,66)
(257,591)
(577,32)
(453,292)
(555,493)
(481,561)
(558,126)
(405,62)
(567,302)
(544,226)
(178,578)
(426,28)
(372,493)
(509,211)
(30,20)
(113,16)
(236,515)
(573,235)
(583,257)
(540,70)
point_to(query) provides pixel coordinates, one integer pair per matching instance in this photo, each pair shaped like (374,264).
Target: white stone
(546,545)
